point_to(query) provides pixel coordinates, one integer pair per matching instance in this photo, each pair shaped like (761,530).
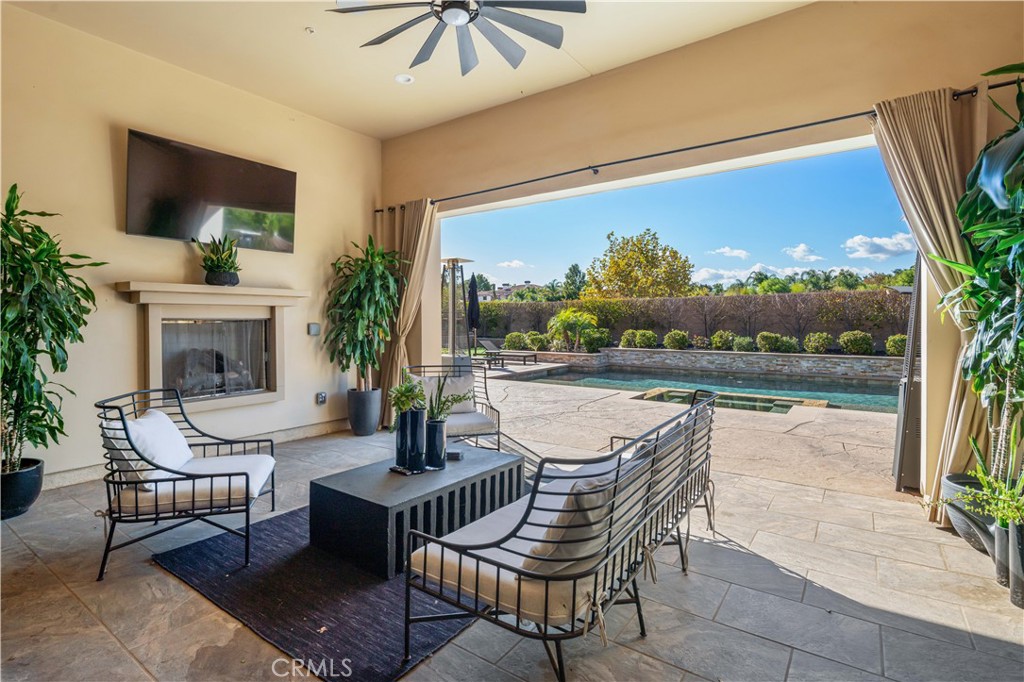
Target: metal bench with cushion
(161,467)
(548,566)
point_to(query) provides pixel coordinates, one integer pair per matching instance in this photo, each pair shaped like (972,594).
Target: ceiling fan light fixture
(455,13)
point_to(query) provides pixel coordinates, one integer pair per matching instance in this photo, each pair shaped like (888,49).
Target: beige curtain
(408,229)
(929,142)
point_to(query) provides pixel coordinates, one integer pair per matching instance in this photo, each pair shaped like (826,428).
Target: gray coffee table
(363,515)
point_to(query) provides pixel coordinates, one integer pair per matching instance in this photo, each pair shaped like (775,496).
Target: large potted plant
(44,309)
(361,305)
(990,303)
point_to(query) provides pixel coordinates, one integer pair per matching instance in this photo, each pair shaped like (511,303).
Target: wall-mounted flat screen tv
(179,191)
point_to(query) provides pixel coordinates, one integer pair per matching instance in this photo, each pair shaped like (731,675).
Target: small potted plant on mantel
(407,401)
(361,305)
(44,309)
(439,407)
(220,261)
(990,302)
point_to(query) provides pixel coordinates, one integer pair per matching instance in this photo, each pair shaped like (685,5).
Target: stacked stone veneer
(862,367)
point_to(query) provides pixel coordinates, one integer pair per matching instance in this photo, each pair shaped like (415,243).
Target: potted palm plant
(361,305)
(407,400)
(990,303)
(220,261)
(439,407)
(44,309)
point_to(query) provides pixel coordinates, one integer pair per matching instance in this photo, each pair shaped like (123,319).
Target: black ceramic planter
(410,443)
(402,439)
(1001,554)
(436,436)
(222,279)
(1016,562)
(19,489)
(976,529)
(364,411)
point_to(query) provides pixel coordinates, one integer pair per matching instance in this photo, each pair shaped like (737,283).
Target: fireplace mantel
(164,301)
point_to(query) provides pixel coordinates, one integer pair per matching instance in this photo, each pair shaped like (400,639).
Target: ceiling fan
(483,14)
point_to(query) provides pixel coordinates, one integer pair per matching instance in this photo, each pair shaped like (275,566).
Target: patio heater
(457,342)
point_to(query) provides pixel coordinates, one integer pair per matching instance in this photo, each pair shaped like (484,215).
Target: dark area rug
(339,620)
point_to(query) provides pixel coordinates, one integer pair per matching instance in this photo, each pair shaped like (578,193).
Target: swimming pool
(875,396)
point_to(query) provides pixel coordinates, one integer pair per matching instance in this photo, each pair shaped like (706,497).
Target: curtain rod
(595,169)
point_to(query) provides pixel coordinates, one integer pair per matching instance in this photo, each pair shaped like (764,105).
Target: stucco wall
(68,100)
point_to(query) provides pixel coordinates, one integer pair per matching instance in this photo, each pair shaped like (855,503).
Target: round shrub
(789,344)
(768,342)
(722,340)
(594,340)
(744,344)
(817,342)
(896,345)
(700,342)
(515,341)
(628,339)
(645,338)
(536,341)
(677,340)
(857,343)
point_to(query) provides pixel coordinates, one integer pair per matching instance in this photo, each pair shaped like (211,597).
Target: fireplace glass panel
(211,358)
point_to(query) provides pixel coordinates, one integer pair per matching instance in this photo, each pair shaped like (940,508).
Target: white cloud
(803,253)
(879,248)
(726,276)
(513,264)
(860,271)
(732,253)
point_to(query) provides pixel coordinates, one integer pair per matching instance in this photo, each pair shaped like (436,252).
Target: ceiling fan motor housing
(456,12)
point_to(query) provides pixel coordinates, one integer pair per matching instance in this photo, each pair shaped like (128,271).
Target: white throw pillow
(121,452)
(455,385)
(157,439)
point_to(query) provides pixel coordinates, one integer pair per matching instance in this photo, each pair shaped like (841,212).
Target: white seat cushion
(503,586)
(207,493)
(470,424)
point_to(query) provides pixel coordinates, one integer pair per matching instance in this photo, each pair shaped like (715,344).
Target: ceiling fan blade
(384,37)
(429,44)
(467,53)
(512,51)
(577,6)
(350,7)
(545,32)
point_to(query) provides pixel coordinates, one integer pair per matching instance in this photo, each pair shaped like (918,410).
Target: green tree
(574,283)
(638,267)
(553,291)
(773,285)
(483,284)
(847,279)
(570,324)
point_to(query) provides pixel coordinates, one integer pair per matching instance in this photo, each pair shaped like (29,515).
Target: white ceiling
(264,48)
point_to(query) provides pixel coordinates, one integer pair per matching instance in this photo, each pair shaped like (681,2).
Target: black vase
(19,489)
(416,445)
(402,439)
(1001,553)
(222,279)
(436,437)
(1017,564)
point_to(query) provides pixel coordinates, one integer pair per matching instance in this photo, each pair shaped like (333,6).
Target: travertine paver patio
(820,571)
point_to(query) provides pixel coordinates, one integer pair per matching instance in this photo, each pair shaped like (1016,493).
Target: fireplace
(211,358)
(219,346)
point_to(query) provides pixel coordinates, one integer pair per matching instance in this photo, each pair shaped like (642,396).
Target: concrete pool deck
(844,450)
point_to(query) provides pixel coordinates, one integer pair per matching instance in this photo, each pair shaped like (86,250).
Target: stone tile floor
(819,571)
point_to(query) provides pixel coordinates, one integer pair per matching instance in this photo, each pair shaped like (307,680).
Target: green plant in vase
(220,260)
(408,402)
(990,303)
(439,408)
(45,306)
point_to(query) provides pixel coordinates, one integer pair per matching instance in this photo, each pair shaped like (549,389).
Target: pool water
(875,396)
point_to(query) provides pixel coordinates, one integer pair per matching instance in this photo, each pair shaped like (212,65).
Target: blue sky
(833,211)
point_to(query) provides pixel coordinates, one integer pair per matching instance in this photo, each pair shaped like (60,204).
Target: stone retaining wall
(861,367)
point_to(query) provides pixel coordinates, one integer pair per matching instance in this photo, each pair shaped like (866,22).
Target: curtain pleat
(408,229)
(929,142)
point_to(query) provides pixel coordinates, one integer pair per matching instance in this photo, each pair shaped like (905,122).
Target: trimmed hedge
(537,341)
(628,339)
(594,340)
(789,344)
(818,342)
(857,343)
(722,340)
(769,342)
(896,345)
(700,342)
(645,338)
(677,340)
(744,344)
(515,341)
